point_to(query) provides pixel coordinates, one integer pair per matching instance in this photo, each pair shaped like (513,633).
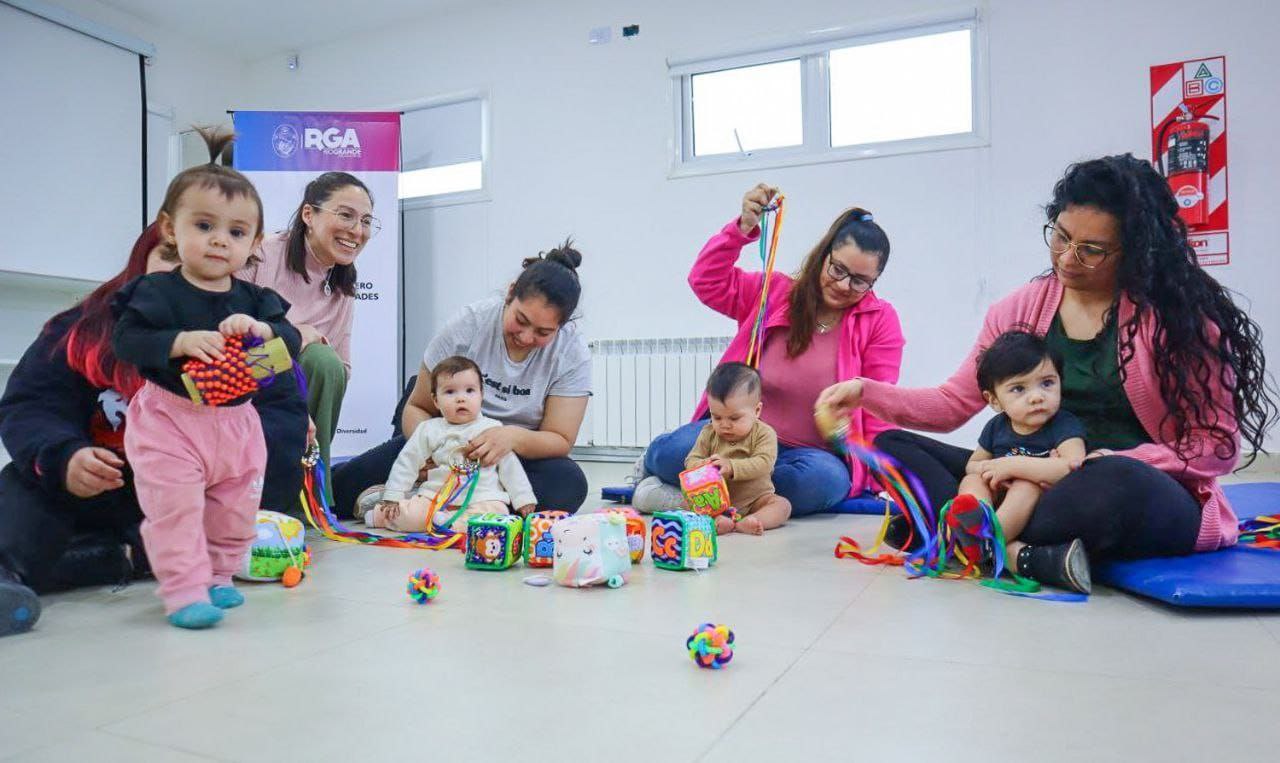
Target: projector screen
(71,149)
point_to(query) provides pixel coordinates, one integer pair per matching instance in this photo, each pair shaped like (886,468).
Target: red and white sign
(1189,147)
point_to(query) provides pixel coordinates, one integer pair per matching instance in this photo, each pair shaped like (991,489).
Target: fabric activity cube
(636,532)
(591,549)
(494,541)
(539,546)
(705,490)
(682,540)
(279,543)
(246,361)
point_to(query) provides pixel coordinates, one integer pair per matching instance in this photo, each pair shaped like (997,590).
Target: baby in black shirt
(198,469)
(1032,442)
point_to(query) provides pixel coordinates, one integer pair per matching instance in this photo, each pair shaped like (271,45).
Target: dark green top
(1091,388)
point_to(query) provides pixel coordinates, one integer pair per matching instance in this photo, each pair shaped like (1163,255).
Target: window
(840,94)
(728,115)
(442,148)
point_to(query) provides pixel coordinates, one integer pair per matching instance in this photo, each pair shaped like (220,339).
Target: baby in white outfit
(457,391)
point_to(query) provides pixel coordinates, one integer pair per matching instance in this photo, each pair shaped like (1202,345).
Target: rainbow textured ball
(711,646)
(424,585)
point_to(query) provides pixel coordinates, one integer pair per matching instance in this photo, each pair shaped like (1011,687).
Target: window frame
(812,50)
(481,194)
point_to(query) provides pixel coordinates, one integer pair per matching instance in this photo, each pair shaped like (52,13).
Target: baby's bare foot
(724,525)
(751,526)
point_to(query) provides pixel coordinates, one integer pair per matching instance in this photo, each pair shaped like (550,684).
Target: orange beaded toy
(237,374)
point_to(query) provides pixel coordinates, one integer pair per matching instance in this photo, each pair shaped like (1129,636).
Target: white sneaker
(638,472)
(367,499)
(652,494)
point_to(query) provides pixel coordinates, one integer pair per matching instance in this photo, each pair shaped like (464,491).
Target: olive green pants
(326,386)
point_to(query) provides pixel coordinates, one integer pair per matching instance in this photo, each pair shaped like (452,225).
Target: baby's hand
(997,472)
(245,324)
(201,345)
(525,510)
(723,464)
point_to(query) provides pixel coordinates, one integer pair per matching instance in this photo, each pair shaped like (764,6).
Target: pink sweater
(871,338)
(332,315)
(944,408)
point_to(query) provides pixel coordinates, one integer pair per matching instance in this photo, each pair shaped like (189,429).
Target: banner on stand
(282,151)
(1189,147)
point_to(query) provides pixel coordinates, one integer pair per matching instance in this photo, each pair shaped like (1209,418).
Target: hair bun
(564,255)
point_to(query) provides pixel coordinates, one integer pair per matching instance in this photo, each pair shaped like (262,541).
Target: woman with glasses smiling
(312,265)
(824,324)
(1165,371)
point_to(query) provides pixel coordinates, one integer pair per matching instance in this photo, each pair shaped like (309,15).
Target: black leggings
(37,528)
(1121,508)
(559,483)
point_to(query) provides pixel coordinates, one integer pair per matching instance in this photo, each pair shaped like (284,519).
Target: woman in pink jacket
(1165,371)
(823,325)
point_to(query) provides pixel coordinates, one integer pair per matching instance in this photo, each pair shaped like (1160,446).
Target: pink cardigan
(944,408)
(871,335)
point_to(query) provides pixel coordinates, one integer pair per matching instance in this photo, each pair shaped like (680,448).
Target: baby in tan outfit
(743,448)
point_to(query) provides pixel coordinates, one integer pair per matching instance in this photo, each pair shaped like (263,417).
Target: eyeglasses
(350,220)
(839,273)
(1088,255)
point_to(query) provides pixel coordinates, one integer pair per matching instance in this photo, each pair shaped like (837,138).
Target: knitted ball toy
(711,645)
(424,585)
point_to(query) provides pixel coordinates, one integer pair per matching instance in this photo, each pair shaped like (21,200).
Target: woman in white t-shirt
(537,379)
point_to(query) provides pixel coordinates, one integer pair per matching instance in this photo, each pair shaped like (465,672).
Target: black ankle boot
(19,605)
(1065,566)
(92,561)
(895,535)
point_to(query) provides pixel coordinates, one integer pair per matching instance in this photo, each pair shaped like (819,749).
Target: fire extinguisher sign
(1189,147)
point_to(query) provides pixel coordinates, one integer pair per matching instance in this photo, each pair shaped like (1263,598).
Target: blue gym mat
(1234,578)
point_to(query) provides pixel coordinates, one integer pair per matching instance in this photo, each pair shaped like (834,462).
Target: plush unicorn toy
(591,549)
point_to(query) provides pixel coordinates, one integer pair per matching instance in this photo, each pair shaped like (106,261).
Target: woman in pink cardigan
(822,325)
(1165,371)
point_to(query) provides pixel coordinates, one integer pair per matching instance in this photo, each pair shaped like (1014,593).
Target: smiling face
(528,324)
(1030,399)
(847,276)
(339,227)
(458,396)
(213,234)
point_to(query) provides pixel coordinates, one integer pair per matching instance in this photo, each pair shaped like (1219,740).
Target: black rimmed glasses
(839,273)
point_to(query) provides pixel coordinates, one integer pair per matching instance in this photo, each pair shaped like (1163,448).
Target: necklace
(825,327)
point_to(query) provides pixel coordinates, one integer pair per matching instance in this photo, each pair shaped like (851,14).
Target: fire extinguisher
(1184,137)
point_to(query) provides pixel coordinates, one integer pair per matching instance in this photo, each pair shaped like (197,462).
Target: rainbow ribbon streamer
(321,517)
(938,545)
(1261,532)
(770,230)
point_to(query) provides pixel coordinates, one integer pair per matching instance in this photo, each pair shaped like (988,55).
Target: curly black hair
(1199,330)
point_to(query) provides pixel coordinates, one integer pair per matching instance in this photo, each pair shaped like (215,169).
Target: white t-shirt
(514,393)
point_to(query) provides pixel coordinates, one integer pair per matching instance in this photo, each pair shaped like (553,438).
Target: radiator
(644,387)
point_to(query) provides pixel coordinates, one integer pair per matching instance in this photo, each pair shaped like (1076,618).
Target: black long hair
(317,194)
(1199,330)
(552,275)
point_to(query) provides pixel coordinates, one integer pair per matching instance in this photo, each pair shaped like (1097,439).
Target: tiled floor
(835,661)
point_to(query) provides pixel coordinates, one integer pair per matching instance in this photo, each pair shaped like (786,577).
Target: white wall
(581,133)
(198,81)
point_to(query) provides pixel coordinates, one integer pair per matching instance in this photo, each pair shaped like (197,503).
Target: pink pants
(198,471)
